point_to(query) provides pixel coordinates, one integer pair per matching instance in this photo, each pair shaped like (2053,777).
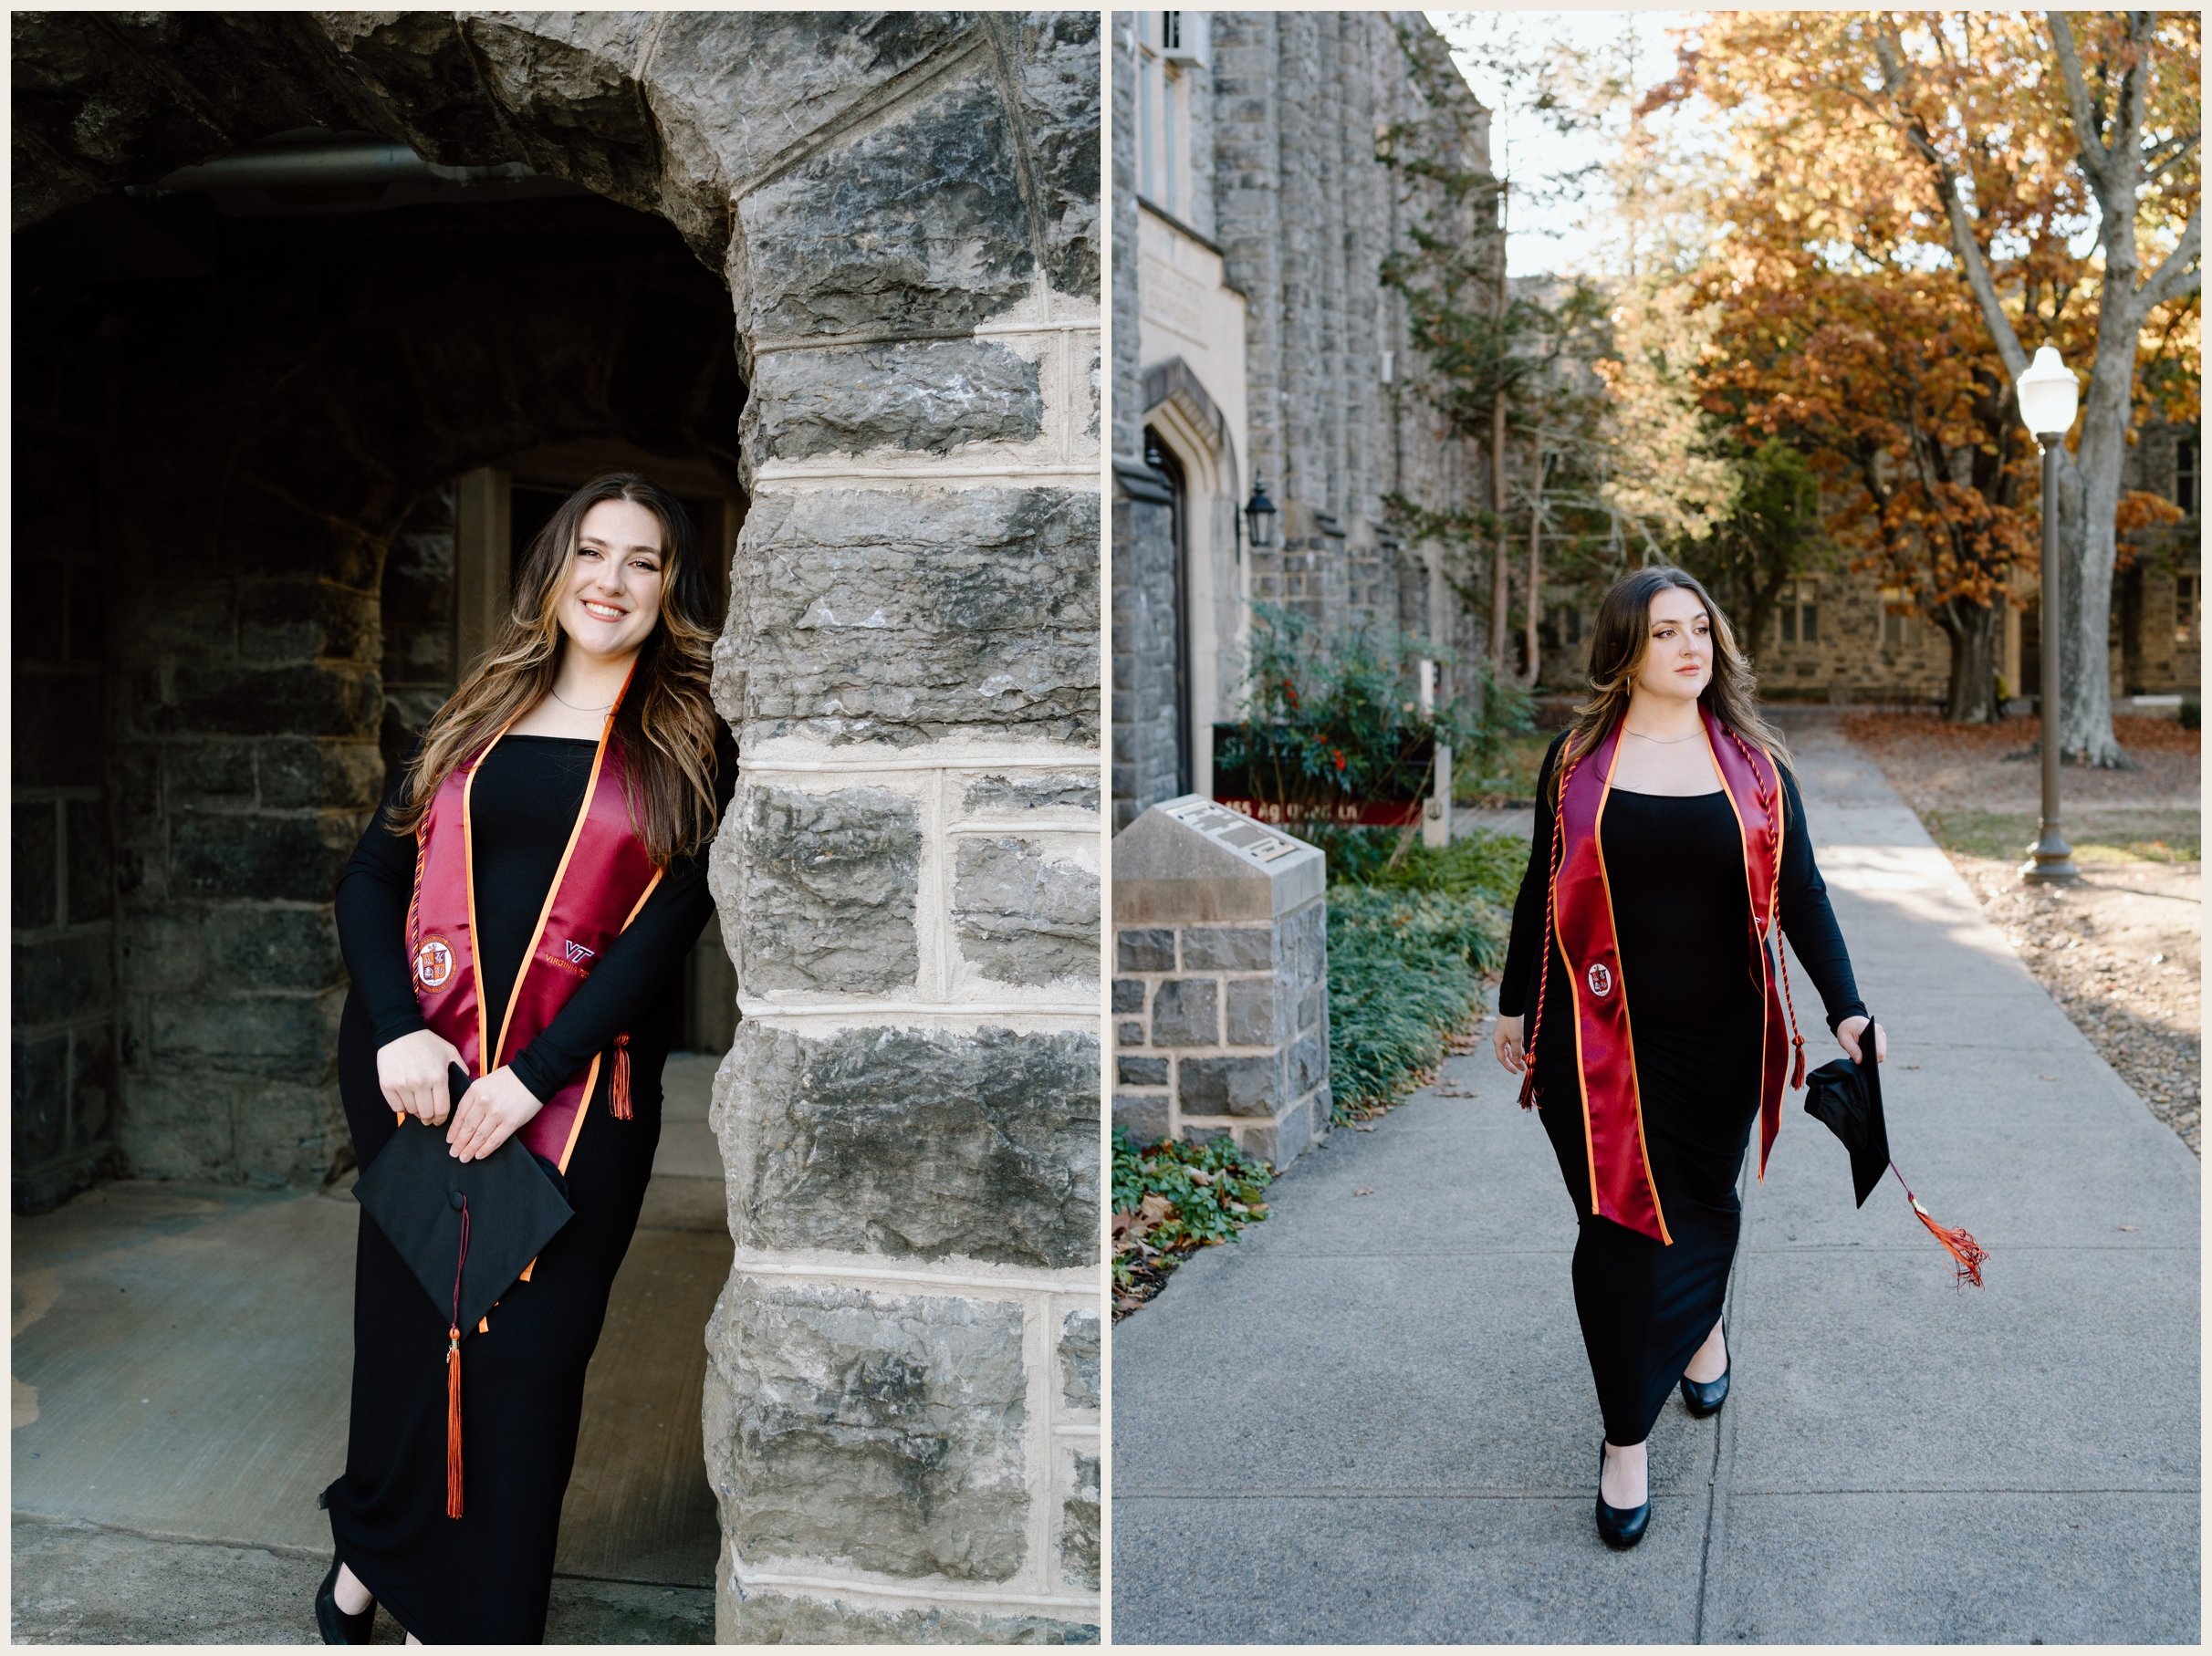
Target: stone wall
(902,1398)
(63,1031)
(1288,113)
(901,1423)
(1221,982)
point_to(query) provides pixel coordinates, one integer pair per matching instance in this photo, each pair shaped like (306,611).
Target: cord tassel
(1796,1073)
(618,1085)
(453,1380)
(452,1422)
(1960,1241)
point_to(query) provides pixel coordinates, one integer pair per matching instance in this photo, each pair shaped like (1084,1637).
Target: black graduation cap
(467,1230)
(1847,1095)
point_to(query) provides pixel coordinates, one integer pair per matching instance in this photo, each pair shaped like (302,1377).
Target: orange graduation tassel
(453,1380)
(452,1423)
(1964,1248)
(618,1085)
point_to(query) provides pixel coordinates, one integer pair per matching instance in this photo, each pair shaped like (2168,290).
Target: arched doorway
(895,207)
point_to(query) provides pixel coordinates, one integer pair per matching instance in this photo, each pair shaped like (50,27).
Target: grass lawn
(2096,835)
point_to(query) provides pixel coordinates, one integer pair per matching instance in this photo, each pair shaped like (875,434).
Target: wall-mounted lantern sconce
(1259,512)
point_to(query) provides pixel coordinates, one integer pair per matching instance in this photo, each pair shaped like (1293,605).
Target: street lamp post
(2047,395)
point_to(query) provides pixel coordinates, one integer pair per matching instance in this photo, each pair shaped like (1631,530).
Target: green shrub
(2191,714)
(1172,1199)
(1407,952)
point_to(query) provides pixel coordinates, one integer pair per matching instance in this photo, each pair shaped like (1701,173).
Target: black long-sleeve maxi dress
(1675,868)
(484,1578)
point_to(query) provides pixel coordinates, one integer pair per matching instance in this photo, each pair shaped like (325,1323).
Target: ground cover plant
(1409,944)
(1171,1200)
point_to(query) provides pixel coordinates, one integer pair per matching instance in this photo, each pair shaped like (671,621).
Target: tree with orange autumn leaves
(1905,199)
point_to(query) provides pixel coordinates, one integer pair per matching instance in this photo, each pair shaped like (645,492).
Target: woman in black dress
(607,652)
(1672,714)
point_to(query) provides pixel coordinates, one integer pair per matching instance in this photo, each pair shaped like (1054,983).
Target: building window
(2189,600)
(1801,614)
(1170,44)
(2186,477)
(1893,625)
(1171,31)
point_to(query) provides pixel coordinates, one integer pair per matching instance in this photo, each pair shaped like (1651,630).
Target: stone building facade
(840,268)
(1257,345)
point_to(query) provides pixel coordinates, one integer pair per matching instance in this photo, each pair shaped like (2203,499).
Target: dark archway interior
(266,443)
(250,428)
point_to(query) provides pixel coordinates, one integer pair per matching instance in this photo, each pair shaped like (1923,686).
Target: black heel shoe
(1705,1397)
(337,1626)
(1620,1526)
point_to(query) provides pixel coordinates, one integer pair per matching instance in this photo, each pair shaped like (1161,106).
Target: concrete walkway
(1372,1422)
(179,1361)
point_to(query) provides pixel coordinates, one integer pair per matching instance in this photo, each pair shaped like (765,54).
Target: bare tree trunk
(1974,631)
(1529,646)
(2087,505)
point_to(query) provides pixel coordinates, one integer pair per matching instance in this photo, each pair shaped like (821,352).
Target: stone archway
(901,1417)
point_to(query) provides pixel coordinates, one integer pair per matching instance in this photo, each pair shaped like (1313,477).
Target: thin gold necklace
(566,703)
(1663,741)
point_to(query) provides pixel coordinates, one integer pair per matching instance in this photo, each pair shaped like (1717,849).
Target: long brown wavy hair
(667,723)
(1618,642)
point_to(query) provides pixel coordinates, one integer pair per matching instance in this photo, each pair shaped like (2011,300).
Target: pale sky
(1546,234)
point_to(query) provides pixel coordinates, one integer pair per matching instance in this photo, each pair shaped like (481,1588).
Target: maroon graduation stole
(604,877)
(1580,917)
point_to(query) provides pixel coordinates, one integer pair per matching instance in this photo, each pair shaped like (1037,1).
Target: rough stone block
(205,772)
(991,795)
(1024,917)
(91,1085)
(235,858)
(1141,1072)
(59,979)
(1079,1359)
(1229,1087)
(1308,1061)
(778,1617)
(809,67)
(1129,1034)
(306,621)
(1145,1115)
(1228,949)
(57,728)
(288,1135)
(40,1097)
(915,1143)
(302,773)
(930,395)
(1078,1524)
(916,226)
(823,888)
(293,1034)
(34,843)
(906,616)
(1056,82)
(1129,995)
(163,949)
(268,948)
(876,1431)
(1251,1012)
(91,860)
(197,618)
(1186,1011)
(324,699)
(1144,949)
(175,1125)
